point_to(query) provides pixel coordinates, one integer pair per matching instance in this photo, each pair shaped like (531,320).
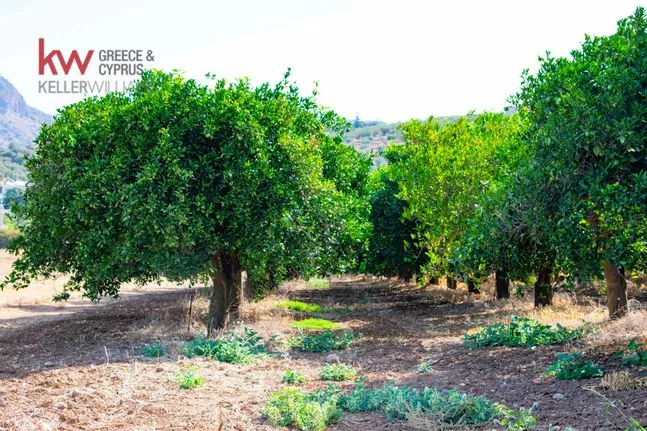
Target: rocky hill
(19,125)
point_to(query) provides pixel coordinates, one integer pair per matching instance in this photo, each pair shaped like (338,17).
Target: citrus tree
(186,181)
(587,118)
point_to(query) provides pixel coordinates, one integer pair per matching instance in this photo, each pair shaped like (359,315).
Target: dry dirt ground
(78,367)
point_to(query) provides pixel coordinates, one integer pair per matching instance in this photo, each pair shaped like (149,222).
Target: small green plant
(293,377)
(571,366)
(425,367)
(634,355)
(302,307)
(522,332)
(188,379)
(337,372)
(521,420)
(317,283)
(323,341)
(315,324)
(291,406)
(152,351)
(234,348)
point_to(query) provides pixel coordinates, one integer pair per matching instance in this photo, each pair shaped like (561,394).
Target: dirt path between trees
(81,370)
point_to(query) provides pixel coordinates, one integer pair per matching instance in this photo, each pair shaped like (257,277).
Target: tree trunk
(502,284)
(451,283)
(472,287)
(405,273)
(543,289)
(225,289)
(616,290)
(433,281)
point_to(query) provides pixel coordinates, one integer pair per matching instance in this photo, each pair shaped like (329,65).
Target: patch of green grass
(571,366)
(317,283)
(188,379)
(291,406)
(303,307)
(152,351)
(425,367)
(315,324)
(323,341)
(522,332)
(337,372)
(234,348)
(634,355)
(293,377)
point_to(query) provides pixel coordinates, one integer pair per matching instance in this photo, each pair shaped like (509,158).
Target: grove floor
(79,368)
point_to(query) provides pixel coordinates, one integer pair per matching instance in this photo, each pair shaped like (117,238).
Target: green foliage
(521,420)
(152,351)
(323,341)
(291,406)
(634,425)
(586,117)
(301,306)
(14,196)
(293,377)
(522,332)
(571,366)
(391,251)
(425,367)
(317,283)
(337,372)
(158,181)
(315,324)
(634,355)
(397,403)
(233,348)
(188,379)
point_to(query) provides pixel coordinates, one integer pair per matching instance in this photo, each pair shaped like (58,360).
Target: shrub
(188,379)
(324,341)
(522,420)
(315,324)
(317,283)
(425,367)
(522,332)
(293,377)
(303,307)
(291,406)
(634,355)
(233,348)
(152,351)
(571,366)
(337,372)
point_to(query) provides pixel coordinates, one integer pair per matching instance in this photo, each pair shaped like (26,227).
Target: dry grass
(622,381)
(619,332)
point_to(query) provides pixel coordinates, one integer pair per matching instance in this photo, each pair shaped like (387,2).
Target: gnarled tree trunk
(616,290)
(225,289)
(502,283)
(451,283)
(543,288)
(472,287)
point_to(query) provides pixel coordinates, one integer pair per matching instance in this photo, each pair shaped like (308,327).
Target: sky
(379,60)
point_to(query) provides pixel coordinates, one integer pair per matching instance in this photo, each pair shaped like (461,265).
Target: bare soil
(79,368)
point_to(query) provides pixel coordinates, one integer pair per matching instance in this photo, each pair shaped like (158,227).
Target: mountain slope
(19,126)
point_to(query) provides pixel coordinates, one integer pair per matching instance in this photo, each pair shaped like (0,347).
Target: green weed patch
(152,351)
(233,348)
(323,341)
(522,332)
(337,372)
(571,366)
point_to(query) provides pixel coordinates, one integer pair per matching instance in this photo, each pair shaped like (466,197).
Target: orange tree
(587,118)
(185,181)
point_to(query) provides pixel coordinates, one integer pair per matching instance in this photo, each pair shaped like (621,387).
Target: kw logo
(66,65)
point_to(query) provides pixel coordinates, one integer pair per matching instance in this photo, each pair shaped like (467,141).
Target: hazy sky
(381,60)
